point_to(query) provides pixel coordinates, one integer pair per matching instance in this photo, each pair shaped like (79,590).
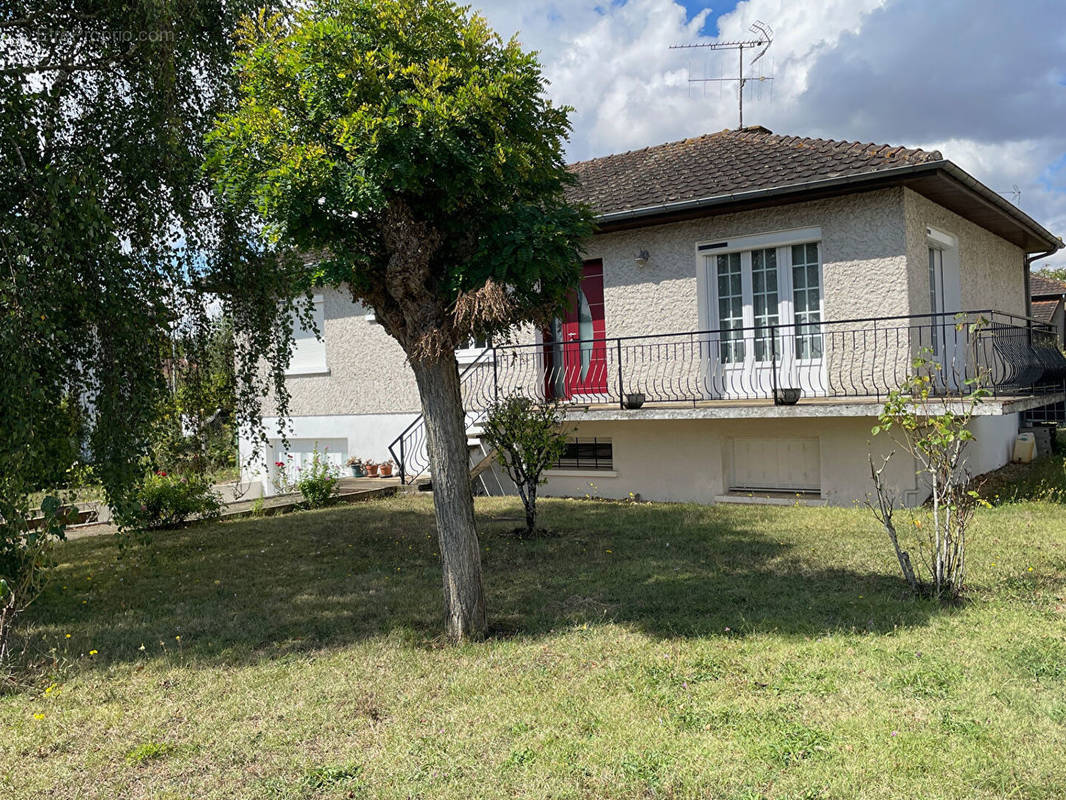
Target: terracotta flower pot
(372,470)
(386,470)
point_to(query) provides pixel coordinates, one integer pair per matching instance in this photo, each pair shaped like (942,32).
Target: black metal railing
(859,358)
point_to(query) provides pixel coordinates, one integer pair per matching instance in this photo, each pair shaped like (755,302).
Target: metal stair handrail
(409,448)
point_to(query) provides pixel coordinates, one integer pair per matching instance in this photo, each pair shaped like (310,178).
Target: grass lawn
(649,651)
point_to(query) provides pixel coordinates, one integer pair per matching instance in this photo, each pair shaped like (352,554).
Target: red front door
(575,351)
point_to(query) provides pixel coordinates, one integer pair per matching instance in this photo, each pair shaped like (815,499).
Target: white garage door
(776,464)
(301,453)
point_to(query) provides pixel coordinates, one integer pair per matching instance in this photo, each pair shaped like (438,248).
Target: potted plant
(385,468)
(355,464)
(371,468)
(634,400)
(786,396)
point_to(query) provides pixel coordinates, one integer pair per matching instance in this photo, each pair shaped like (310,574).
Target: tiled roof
(728,162)
(1044,310)
(1040,286)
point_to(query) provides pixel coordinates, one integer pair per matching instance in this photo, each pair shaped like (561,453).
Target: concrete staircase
(485,480)
(482,458)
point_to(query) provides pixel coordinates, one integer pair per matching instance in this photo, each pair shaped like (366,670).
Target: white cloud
(962,76)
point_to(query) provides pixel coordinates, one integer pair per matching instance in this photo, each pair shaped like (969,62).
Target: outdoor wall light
(642,258)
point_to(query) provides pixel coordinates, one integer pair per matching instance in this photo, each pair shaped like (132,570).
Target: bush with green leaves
(529,438)
(166,501)
(318,481)
(934,430)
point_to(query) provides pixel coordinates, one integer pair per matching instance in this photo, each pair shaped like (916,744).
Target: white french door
(753,292)
(944,299)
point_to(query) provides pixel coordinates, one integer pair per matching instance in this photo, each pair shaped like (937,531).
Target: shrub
(318,482)
(935,437)
(528,438)
(165,501)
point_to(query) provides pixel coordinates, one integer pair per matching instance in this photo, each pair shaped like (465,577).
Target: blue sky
(717,10)
(960,76)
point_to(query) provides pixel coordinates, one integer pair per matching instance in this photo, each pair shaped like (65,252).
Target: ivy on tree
(413,152)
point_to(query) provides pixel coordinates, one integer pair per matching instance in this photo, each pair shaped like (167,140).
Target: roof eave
(664,212)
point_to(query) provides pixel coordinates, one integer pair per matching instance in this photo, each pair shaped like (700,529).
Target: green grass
(648,651)
(1043,480)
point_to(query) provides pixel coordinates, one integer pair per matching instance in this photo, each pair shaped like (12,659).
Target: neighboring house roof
(753,167)
(1044,310)
(1042,286)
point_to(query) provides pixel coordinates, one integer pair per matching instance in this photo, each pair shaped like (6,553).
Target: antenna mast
(766,38)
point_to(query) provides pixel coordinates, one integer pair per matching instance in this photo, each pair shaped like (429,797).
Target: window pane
(806,300)
(764,300)
(730,307)
(584,325)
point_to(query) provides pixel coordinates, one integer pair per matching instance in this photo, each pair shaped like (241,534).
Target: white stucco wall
(686,460)
(367,369)
(992,270)
(875,263)
(863,254)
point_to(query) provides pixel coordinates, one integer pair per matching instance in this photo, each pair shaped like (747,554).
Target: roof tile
(725,163)
(1044,310)
(1042,286)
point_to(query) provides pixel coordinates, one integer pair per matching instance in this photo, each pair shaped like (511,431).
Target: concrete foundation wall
(688,460)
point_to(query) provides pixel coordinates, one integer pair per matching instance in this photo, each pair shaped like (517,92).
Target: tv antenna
(1015,195)
(765,38)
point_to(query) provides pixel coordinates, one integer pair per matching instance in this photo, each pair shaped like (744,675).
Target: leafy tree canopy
(366,127)
(106,226)
(411,154)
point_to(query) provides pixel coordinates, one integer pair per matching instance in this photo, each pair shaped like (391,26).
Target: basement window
(587,454)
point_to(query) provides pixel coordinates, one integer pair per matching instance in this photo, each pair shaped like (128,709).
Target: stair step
(483,464)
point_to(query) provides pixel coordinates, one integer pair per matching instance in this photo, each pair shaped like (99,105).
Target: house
(1048,297)
(747,303)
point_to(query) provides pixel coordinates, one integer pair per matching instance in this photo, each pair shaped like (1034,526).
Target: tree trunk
(453,497)
(531,508)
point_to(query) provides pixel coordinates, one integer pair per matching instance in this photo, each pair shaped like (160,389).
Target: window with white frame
(309,352)
(807,300)
(761,283)
(730,307)
(469,350)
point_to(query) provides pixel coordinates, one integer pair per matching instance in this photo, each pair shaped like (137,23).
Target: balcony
(824,364)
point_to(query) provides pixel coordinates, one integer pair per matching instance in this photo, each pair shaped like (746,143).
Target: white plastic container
(1024,448)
